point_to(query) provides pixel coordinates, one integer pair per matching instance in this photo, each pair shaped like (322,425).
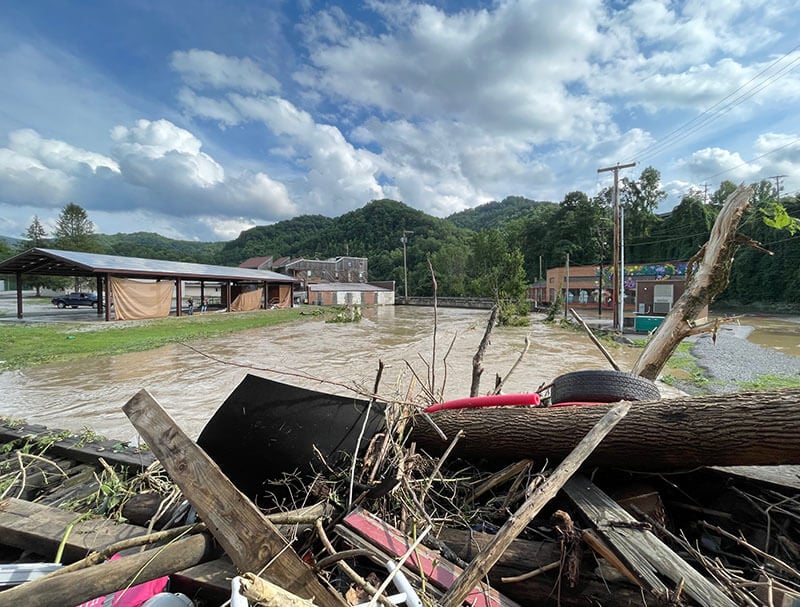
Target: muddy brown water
(322,356)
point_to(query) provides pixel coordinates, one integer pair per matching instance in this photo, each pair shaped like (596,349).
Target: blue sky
(198,119)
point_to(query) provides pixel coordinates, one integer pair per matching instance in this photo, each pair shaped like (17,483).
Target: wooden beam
(40,529)
(57,590)
(247,536)
(646,555)
(72,447)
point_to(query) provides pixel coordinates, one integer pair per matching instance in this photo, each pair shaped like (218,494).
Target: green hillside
(496,215)
(155,246)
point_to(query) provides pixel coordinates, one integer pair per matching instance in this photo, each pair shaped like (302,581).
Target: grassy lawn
(25,345)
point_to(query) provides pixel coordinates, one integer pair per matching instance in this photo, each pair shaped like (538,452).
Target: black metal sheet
(266,428)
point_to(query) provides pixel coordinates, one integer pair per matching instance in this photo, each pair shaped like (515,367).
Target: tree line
(495,249)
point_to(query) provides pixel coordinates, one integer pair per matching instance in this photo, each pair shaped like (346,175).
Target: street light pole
(404,240)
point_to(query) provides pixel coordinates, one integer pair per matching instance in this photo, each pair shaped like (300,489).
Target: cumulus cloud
(508,69)
(169,161)
(58,154)
(715,161)
(160,152)
(201,68)
(47,171)
(337,176)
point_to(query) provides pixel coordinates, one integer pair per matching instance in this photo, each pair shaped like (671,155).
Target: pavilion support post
(202,292)
(265,296)
(19,295)
(107,298)
(99,289)
(227,295)
(178,298)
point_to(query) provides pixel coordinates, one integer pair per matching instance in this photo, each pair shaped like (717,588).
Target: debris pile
(390,519)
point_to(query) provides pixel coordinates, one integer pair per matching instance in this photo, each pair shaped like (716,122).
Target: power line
(709,114)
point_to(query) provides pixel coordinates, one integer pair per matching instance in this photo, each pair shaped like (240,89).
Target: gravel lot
(734,359)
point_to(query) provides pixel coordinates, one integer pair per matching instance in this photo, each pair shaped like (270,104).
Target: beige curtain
(251,300)
(134,300)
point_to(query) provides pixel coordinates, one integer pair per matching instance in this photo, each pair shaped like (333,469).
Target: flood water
(191,386)
(328,357)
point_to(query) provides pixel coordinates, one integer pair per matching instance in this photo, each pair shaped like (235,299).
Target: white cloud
(508,70)
(200,68)
(168,160)
(224,228)
(45,171)
(160,152)
(219,110)
(58,154)
(337,177)
(25,179)
(714,161)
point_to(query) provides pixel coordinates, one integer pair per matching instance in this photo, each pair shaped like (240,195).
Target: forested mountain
(493,215)
(155,246)
(373,231)
(488,248)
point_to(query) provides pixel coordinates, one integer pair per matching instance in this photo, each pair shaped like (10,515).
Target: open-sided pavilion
(276,288)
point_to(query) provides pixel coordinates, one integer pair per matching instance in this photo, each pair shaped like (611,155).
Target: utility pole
(404,240)
(618,293)
(566,290)
(778,186)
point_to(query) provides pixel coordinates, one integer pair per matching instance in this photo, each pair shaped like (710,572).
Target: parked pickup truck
(73,300)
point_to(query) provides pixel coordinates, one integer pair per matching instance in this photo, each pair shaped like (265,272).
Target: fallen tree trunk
(708,280)
(100,580)
(738,429)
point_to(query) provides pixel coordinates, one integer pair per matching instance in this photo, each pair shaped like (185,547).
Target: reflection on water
(190,386)
(780,333)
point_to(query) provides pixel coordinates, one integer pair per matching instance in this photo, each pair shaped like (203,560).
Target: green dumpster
(645,324)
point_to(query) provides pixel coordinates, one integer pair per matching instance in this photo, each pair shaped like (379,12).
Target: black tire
(61,305)
(602,387)
(94,304)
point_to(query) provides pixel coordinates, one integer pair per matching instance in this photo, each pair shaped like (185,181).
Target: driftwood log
(739,429)
(708,280)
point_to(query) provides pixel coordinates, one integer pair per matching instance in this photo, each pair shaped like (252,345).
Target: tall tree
(639,199)
(498,271)
(35,236)
(725,189)
(74,230)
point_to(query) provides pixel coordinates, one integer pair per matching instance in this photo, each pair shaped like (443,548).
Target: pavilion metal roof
(53,262)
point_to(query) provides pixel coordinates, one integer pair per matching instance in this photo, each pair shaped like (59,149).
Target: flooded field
(191,386)
(192,383)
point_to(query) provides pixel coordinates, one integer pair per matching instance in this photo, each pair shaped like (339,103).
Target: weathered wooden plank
(74,448)
(213,575)
(784,476)
(38,528)
(647,556)
(246,535)
(75,587)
